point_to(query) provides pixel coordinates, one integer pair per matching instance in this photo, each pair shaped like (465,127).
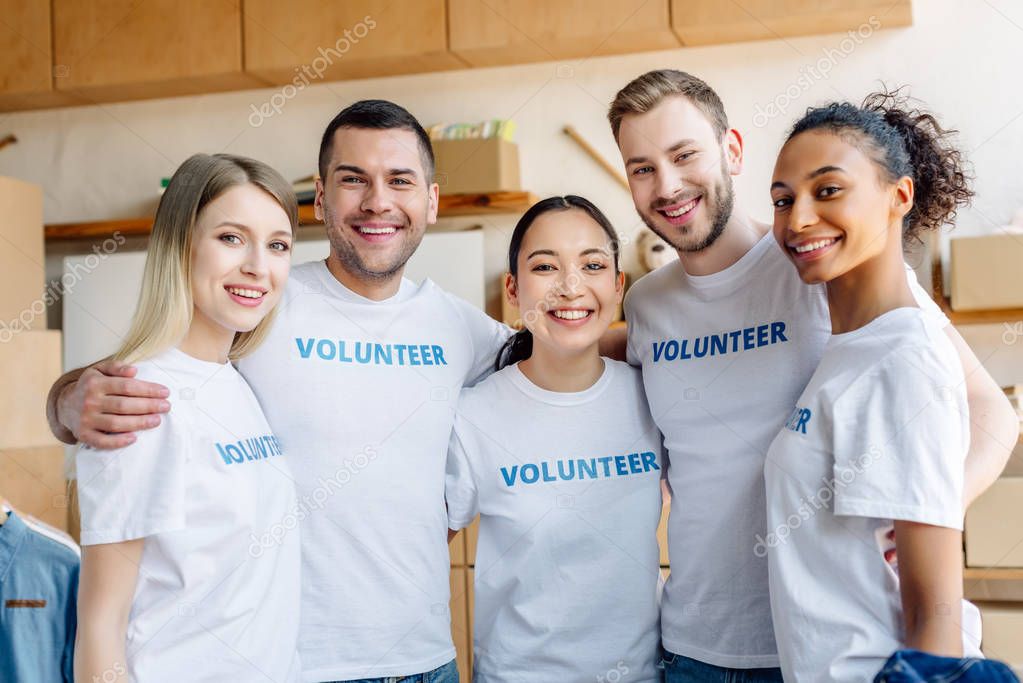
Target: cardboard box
(477,166)
(993,533)
(456,549)
(1003,633)
(470,593)
(22,264)
(993,590)
(31,362)
(662,533)
(472,533)
(461,633)
(987,272)
(32,481)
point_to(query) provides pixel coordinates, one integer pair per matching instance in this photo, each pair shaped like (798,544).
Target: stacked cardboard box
(31,460)
(993,533)
(986,272)
(1003,633)
(463,557)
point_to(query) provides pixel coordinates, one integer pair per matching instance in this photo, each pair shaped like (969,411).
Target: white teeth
(377,231)
(813,246)
(247,293)
(571,315)
(682,209)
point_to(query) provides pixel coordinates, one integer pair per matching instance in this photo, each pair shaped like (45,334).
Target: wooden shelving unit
(450,205)
(993,574)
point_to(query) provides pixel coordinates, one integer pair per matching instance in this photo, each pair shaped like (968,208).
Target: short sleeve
(136,491)
(460,486)
(926,303)
(487,335)
(900,441)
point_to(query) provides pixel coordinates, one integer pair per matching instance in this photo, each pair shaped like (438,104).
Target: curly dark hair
(902,141)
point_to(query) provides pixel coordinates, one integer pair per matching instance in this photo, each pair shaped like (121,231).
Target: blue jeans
(913,666)
(444,674)
(679,669)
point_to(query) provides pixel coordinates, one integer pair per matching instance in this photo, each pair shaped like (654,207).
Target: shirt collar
(12,535)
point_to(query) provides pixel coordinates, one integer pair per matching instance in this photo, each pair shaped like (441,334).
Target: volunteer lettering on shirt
(724,358)
(564,483)
(365,352)
(746,339)
(875,440)
(362,396)
(198,488)
(588,468)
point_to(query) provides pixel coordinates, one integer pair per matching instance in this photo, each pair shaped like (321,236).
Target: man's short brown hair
(647,91)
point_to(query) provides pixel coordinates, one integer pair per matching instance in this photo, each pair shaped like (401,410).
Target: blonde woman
(189,571)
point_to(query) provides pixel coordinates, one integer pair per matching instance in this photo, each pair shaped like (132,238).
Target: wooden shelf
(450,205)
(993,574)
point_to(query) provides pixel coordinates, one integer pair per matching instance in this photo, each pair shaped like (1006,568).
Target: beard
(718,212)
(353,262)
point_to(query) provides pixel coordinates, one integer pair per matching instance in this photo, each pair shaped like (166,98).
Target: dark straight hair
(520,345)
(376,115)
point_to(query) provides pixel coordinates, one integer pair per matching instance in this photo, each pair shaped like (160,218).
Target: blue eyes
(231,238)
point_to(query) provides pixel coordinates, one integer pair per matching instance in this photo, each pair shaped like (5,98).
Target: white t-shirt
(211,492)
(724,357)
(363,394)
(567,486)
(879,434)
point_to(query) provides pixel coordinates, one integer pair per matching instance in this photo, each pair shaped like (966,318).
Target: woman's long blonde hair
(164,311)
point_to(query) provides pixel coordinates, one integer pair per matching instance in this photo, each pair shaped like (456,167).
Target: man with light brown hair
(727,338)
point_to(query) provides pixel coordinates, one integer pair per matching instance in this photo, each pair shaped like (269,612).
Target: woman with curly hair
(877,440)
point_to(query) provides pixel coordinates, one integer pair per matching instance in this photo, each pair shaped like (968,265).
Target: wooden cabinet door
(712,22)
(26,61)
(515,31)
(123,49)
(309,41)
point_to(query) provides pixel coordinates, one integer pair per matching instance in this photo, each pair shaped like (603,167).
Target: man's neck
(740,235)
(373,289)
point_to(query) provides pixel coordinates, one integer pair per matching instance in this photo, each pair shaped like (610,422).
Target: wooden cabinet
(517,31)
(26,61)
(309,41)
(711,22)
(110,50)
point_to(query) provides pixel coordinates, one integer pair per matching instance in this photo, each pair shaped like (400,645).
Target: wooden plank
(993,574)
(309,41)
(517,31)
(26,60)
(450,205)
(711,22)
(115,50)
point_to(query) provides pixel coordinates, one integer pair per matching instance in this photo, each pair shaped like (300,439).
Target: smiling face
(680,172)
(566,286)
(834,210)
(240,258)
(375,200)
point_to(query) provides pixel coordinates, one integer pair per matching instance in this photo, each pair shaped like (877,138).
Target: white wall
(961,57)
